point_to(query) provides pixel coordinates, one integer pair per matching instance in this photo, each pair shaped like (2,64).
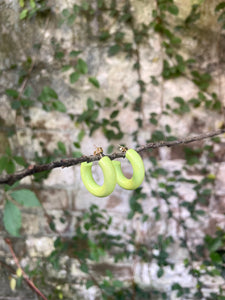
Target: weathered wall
(63,190)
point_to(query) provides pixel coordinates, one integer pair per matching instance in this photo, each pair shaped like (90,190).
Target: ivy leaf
(89,284)
(12,93)
(10,166)
(173,9)
(160,273)
(26,198)
(21,2)
(82,66)
(94,81)
(114,114)
(50,92)
(113,50)
(3,162)
(19,160)
(81,135)
(59,106)
(12,218)
(62,147)
(76,154)
(32,4)
(104,36)
(65,68)
(216,258)
(65,13)
(220,6)
(117,283)
(84,267)
(74,77)
(90,104)
(23,14)
(154,81)
(47,93)
(75,53)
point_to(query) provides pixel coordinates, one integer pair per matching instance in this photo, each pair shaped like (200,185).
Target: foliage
(93,241)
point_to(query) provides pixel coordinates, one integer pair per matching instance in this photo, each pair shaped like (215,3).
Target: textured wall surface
(63,189)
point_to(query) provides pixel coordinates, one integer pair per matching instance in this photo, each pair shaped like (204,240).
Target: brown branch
(63,163)
(25,276)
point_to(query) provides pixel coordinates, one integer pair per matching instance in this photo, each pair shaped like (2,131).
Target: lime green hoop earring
(138,171)
(109,178)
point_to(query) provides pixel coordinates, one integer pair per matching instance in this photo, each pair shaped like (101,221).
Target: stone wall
(63,190)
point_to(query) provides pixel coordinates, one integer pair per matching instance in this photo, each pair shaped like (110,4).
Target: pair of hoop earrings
(113,174)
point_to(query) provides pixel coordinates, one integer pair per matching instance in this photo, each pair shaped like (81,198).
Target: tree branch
(25,276)
(63,163)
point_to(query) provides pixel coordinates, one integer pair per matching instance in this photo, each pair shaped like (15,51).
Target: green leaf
(12,218)
(71,19)
(19,160)
(32,4)
(65,68)
(62,147)
(75,53)
(26,102)
(76,144)
(168,128)
(220,6)
(114,114)
(145,218)
(11,187)
(94,81)
(213,244)
(59,106)
(47,94)
(90,104)
(84,267)
(216,258)
(153,120)
(3,162)
(26,198)
(160,273)
(113,50)
(157,136)
(10,166)
(65,13)
(117,283)
(81,135)
(173,9)
(179,100)
(82,66)
(89,283)
(200,212)
(21,3)
(59,55)
(104,35)
(50,92)
(154,81)
(23,14)
(74,77)
(28,91)
(110,149)
(12,93)
(77,154)
(8,151)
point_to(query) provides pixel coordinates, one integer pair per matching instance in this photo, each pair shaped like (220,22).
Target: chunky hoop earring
(109,178)
(138,171)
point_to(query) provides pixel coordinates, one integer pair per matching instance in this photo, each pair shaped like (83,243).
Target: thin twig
(25,276)
(68,162)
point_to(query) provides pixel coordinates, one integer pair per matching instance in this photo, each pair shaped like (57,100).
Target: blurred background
(77,75)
